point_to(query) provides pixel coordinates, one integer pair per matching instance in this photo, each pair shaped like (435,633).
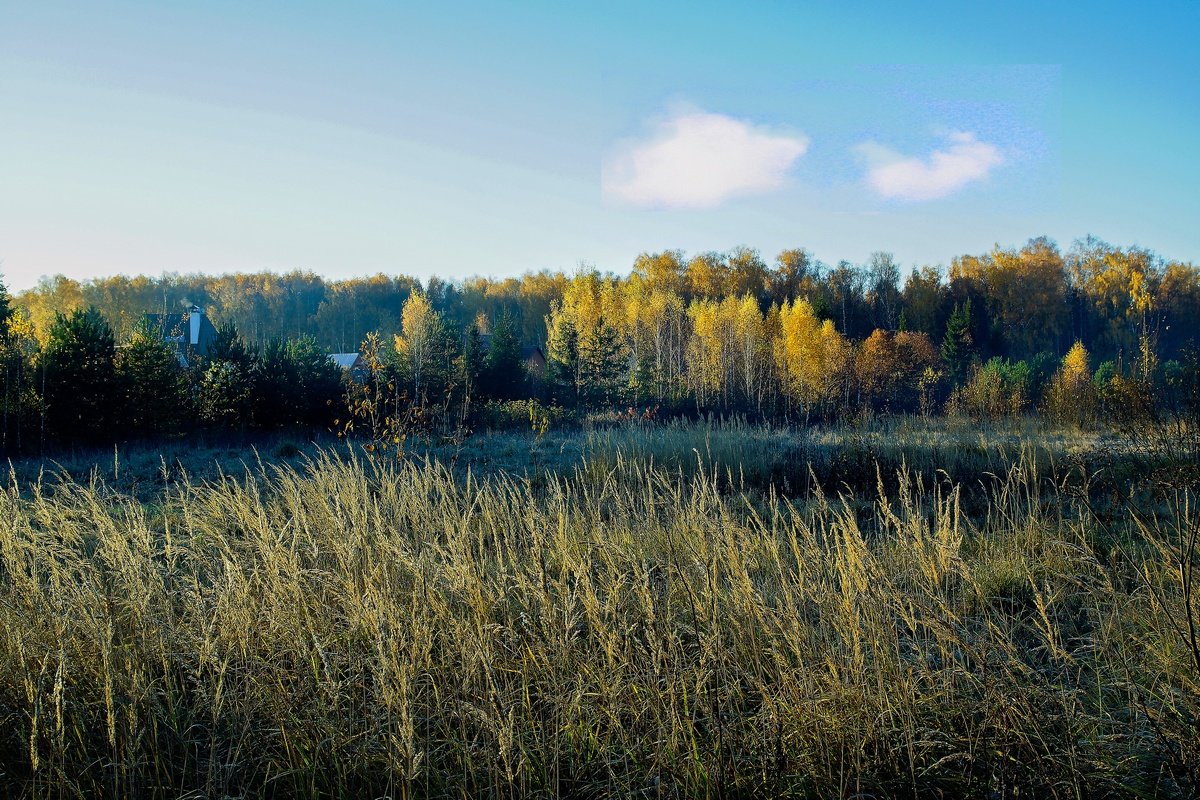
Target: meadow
(699,609)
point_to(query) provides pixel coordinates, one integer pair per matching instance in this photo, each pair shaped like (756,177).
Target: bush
(997,389)
(515,415)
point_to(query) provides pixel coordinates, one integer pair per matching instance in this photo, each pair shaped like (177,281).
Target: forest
(749,530)
(1089,333)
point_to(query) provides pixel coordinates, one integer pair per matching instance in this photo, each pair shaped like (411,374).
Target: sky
(469,138)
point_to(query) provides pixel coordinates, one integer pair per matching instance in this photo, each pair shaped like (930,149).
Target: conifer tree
(470,365)
(601,354)
(563,367)
(79,378)
(298,386)
(958,345)
(18,401)
(228,382)
(504,373)
(154,383)
(1071,395)
(6,309)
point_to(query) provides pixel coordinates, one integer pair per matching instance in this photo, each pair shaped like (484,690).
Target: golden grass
(356,629)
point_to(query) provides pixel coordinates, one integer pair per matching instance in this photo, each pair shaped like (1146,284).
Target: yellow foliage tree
(1071,397)
(811,357)
(422,345)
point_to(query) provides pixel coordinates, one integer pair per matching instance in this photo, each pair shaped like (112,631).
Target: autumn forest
(1010,331)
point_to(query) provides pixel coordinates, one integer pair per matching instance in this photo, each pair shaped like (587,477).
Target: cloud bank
(964,160)
(699,160)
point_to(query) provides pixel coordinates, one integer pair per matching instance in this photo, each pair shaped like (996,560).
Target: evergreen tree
(504,373)
(958,345)
(81,390)
(228,345)
(228,382)
(471,363)
(155,385)
(313,387)
(601,356)
(6,309)
(225,398)
(18,401)
(563,362)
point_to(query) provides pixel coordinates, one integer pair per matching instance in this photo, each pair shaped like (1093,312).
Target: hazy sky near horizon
(483,138)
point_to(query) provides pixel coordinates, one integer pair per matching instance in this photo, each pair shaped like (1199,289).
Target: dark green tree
(6,310)
(18,402)
(227,384)
(228,345)
(958,345)
(563,368)
(504,373)
(297,387)
(156,390)
(601,357)
(81,391)
(471,362)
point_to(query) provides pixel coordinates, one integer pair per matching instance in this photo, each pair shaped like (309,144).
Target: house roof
(170,324)
(177,327)
(528,351)
(344,360)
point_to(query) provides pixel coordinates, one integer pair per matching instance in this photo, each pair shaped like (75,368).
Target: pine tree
(154,383)
(79,377)
(228,382)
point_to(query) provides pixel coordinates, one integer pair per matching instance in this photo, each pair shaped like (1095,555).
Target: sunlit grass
(633,624)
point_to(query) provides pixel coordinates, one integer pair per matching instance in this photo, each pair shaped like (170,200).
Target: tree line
(1004,332)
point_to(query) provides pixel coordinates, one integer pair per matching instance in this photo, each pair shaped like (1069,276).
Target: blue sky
(469,138)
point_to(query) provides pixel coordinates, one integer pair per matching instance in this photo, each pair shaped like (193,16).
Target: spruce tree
(503,370)
(81,390)
(958,346)
(6,309)
(563,362)
(602,358)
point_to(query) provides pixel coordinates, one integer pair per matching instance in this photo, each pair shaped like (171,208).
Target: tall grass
(350,628)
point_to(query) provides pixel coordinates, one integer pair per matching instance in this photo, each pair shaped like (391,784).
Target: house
(351,364)
(191,333)
(532,357)
(534,360)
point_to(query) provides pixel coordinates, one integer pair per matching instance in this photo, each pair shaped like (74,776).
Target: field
(689,610)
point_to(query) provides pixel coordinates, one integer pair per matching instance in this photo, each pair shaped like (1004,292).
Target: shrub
(516,415)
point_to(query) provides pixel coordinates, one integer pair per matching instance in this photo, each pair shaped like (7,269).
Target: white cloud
(698,160)
(964,160)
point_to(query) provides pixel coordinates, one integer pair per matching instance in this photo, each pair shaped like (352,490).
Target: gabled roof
(344,360)
(177,328)
(170,324)
(528,351)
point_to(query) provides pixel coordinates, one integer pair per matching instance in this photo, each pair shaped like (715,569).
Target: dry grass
(346,628)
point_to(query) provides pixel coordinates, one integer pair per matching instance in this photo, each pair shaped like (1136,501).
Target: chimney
(194,327)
